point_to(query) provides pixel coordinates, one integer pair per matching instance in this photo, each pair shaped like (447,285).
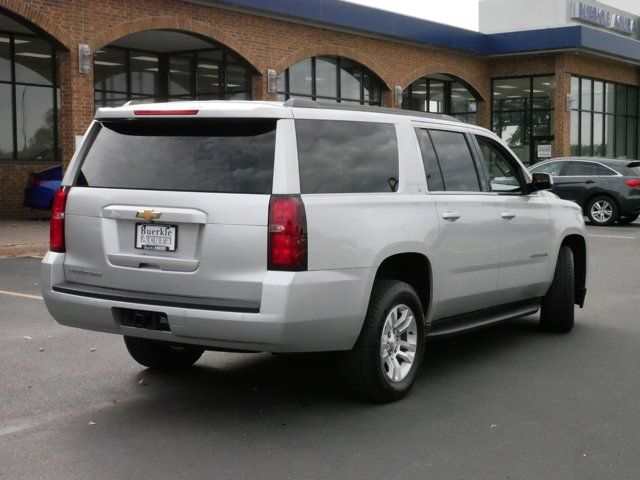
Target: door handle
(453,216)
(508,215)
(588,182)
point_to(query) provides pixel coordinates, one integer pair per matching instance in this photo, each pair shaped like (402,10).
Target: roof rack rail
(308,103)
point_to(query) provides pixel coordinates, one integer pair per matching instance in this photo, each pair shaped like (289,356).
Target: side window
(504,171)
(347,157)
(587,169)
(552,168)
(431,167)
(456,161)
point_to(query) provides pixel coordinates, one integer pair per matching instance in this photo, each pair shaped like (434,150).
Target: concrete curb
(25,250)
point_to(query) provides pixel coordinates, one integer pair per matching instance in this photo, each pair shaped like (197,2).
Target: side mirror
(541,181)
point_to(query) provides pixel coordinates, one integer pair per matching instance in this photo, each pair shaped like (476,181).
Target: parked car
(305,227)
(42,187)
(607,190)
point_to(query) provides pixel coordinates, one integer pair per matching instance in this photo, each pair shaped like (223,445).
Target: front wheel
(384,362)
(557,312)
(602,211)
(162,355)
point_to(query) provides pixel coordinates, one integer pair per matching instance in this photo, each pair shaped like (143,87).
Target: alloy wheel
(398,343)
(601,211)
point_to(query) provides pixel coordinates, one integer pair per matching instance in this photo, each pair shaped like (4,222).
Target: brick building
(567,77)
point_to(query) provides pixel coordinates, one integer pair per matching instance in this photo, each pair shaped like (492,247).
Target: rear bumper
(298,311)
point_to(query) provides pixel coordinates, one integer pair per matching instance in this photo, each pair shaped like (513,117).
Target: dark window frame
(363,70)
(13,83)
(606,116)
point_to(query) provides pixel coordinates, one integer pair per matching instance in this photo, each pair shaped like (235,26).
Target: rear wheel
(602,210)
(386,358)
(557,312)
(628,219)
(162,355)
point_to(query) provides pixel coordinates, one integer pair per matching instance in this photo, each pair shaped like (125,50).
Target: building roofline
(350,16)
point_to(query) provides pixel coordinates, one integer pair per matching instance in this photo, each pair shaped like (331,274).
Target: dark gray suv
(607,190)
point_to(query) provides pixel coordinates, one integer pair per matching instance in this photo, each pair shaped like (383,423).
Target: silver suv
(305,227)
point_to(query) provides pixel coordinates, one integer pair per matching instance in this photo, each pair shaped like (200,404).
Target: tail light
(633,182)
(56,232)
(287,233)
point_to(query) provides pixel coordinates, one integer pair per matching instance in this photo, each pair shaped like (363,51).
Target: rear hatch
(172,206)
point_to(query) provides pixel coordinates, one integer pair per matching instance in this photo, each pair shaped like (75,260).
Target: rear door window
(230,155)
(456,161)
(347,157)
(435,183)
(588,169)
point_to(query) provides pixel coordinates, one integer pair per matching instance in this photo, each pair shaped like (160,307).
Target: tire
(557,312)
(628,219)
(602,210)
(162,355)
(368,368)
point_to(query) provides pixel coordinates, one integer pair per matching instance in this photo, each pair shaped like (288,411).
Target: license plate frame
(138,245)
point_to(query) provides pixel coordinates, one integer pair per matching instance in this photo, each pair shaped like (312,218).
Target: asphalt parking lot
(503,403)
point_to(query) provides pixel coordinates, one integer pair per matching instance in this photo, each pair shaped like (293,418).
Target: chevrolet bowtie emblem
(148,215)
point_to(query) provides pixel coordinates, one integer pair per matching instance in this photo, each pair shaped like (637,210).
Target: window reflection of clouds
(343,157)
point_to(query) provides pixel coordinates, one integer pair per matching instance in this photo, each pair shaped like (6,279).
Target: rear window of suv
(220,155)
(346,156)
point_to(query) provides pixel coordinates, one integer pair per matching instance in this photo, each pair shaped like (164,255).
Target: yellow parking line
(20,295)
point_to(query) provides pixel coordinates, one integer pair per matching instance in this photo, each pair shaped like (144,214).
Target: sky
(460,13)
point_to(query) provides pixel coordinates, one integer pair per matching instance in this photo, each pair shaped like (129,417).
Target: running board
(482,318)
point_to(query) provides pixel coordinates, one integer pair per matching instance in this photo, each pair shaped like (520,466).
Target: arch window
(334,79)
(29,96)
(179,67)
(441,94)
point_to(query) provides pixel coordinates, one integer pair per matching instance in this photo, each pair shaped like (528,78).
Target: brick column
(259,87)
(76,102)
(562,131)
(484,113)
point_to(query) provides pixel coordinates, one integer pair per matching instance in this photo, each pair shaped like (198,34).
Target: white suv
(305,227)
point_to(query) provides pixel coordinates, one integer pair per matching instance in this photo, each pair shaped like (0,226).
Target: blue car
(42,187)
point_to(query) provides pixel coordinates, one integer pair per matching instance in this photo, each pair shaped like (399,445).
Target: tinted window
(233,156)
(587,169)
(504,172)
(343,157)
(431,168)
(552,168)
(458,169)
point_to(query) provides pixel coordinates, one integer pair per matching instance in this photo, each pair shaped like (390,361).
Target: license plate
(152,236)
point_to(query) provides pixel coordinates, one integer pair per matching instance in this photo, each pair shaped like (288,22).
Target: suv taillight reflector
(56,232)
(287,233)
(165,112)
(633,182)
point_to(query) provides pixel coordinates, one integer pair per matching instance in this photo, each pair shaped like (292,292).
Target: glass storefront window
(28,99)
(143,72)
(6,120)
(612,134)
(214,73)
(35,122)
(180,75)
(523,114)
(5,58)
(329,79)
(33,60)
(439,96)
